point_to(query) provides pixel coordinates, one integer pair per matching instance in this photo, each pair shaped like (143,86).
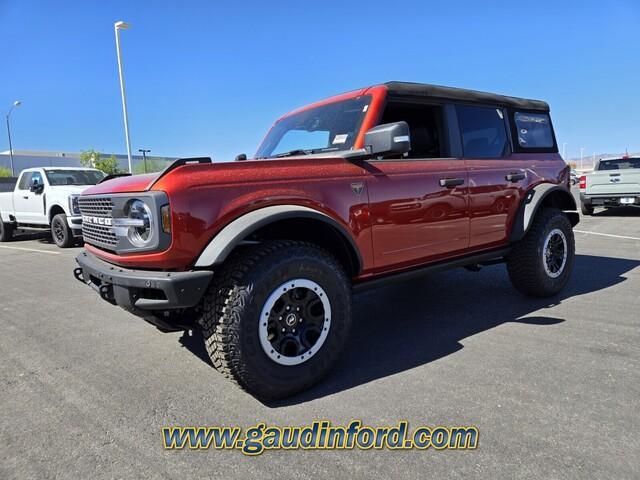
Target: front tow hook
(77,272)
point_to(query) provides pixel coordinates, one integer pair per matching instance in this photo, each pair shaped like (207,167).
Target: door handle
(451,182)
(25,197)
(514,177)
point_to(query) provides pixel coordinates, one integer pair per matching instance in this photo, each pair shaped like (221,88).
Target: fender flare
(533,201)
(221,245)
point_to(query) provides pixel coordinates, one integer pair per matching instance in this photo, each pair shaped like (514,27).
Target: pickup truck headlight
(140,223)
(74,207)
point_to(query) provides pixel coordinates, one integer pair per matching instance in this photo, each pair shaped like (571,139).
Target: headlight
(73,205)
(141,226)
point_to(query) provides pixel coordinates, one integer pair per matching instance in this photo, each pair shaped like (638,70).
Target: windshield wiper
(292,153)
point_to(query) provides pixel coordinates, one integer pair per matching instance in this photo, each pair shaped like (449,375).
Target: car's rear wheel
(540,264)
(60,231)
(586,209)
(277,317)
(6,232)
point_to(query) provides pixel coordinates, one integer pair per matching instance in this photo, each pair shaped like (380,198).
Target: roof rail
(178,163)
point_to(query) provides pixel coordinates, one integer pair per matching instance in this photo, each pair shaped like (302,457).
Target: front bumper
(142,290)
(75,224)
(608,200)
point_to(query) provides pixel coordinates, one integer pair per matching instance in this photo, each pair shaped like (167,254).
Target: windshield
(326,128)
(73,177)
(619,164)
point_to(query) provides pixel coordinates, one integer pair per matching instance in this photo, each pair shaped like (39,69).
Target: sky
(208,78)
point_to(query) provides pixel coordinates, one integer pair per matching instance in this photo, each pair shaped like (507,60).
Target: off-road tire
(525,261)
(586,209)
(6,232)
(232,309)
(60,232)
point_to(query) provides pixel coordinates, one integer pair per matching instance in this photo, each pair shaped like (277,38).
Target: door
(418,203)
(497,180)
(29,206)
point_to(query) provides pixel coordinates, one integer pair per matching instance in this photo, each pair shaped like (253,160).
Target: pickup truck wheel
(277,317)
(6,232)
(60,231)
(540,264)
(586,209)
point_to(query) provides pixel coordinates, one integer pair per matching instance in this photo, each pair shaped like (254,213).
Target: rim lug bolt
(300,320)
(297,309)
(288,308)
(279,318)
(283,329)
(294,330)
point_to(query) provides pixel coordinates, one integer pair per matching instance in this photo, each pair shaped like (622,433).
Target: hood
(133,183)
(70,189)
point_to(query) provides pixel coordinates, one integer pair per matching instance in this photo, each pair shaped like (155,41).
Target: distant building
(31,158)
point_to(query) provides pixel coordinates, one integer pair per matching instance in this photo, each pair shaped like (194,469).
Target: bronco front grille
(94,233)
(100,206)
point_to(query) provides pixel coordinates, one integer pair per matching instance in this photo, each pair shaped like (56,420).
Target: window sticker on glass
(342,138)
(534,130)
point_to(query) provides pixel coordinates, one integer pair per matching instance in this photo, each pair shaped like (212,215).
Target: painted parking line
(29,250)
(607,235)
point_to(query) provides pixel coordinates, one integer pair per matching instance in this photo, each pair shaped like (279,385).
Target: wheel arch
(54,210)
(543,195)
(292,222)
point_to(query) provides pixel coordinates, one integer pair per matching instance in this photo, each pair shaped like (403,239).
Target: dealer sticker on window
(342,138)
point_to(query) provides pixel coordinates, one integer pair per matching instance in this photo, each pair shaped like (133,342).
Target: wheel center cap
(291,319)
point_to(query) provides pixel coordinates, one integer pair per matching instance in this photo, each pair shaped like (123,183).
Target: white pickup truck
(614,182)
(46,198)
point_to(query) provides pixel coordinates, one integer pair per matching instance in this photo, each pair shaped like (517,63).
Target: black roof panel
(463,95)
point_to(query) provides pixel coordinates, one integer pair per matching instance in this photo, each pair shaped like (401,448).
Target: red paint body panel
(403,217)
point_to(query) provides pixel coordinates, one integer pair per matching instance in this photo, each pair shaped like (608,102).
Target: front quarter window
(325,128)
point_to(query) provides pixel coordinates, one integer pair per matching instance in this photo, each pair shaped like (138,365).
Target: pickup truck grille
(93,233)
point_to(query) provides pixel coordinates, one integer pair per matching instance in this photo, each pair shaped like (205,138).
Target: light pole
(144,157)
(117,27)
(564,149)
(581,157)
(17,103)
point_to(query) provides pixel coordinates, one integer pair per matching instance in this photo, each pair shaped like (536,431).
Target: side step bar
(485,258)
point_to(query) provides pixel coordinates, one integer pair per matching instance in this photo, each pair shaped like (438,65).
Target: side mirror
(388,139)
(36,188)
(241,157)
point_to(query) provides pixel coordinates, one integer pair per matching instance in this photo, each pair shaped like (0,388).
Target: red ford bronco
(380,184)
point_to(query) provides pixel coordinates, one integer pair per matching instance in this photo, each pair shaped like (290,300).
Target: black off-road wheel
(6,232)
(540,264)
(60,232)
(276,317)
(586,209)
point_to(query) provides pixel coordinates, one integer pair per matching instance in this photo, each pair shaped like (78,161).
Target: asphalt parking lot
(553,385)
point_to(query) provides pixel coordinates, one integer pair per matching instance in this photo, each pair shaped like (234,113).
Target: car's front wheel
(60,231)
(540,264)
(277,317)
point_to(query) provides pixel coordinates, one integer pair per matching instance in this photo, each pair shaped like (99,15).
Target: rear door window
(534,130)
(483,130)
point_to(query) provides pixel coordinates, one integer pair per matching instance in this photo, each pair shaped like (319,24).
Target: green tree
(93,159)
(5,172)
(152,165)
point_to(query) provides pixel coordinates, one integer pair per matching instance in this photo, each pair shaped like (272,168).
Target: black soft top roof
(463,95)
